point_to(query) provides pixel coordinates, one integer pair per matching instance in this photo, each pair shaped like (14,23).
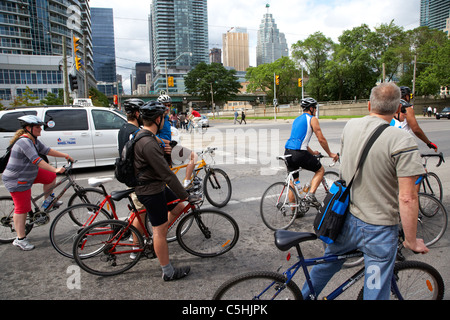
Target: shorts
(301,159)
(22,199)
(156,205)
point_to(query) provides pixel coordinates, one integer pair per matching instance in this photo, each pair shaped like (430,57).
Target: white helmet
(164,98)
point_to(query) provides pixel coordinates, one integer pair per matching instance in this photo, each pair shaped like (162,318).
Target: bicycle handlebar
(69,166)
(430,155)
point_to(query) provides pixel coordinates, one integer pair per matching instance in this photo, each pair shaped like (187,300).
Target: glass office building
(32,33)
(104,49)
(178,40)
(434,13)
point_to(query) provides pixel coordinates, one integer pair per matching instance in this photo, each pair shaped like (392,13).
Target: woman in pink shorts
(25,168)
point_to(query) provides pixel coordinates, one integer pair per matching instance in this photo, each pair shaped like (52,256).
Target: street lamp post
(165,65)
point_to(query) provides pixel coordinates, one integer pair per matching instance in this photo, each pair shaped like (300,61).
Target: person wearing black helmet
(161,188)
(301,155)
(25,168)
(134,121)
(409,122)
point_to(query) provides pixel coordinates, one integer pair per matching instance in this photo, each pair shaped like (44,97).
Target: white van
(87,134)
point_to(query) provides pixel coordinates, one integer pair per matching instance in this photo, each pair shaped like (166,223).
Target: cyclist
(166,136)
(162,186)
(301,154)
(407,120)
(131,127)
(25,168)
(383,188)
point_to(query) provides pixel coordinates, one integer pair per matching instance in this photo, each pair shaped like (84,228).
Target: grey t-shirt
(374,193)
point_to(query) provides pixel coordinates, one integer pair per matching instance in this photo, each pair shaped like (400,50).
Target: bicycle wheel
(104,248)
(7,228)
(212,233)
(414,280)
(92,196)
(217,187)
(432,219)
(432,185)
(68,224)
(277,212)
(258,285)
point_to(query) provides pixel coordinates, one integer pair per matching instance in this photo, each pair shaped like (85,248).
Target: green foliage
(205,78)
(98,98)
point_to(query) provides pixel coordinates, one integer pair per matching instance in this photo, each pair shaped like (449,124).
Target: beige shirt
(374,193)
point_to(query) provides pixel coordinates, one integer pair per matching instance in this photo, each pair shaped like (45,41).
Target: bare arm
(323,142)
(409,210)
(414,125)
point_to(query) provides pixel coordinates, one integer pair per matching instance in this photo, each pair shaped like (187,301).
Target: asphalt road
(247,153)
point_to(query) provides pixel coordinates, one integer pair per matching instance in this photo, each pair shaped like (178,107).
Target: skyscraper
(178,40)
(235,49)
(271,44)
(434,13)
(104,49)
(32,34)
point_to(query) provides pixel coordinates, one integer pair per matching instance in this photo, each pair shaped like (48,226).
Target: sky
(297,19)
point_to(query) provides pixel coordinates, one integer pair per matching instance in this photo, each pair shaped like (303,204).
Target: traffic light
(73,81)
(75,50)
(170,81)
(277,80)
(300,82)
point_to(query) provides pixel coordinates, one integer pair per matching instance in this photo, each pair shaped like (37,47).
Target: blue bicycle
(412,280)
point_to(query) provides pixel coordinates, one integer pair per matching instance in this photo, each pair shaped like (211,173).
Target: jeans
(379,245)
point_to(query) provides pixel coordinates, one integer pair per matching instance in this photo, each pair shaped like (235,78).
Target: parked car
(87,134)
(445,113)
(204,121)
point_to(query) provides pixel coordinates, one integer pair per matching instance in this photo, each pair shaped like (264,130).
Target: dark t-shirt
(124,135)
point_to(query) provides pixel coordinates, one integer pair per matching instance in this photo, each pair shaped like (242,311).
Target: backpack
(124,165)
(5,158)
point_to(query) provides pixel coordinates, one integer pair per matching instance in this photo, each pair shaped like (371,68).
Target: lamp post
(165,65)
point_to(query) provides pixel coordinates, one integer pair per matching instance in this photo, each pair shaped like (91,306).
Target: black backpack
(5,158)
(124,166)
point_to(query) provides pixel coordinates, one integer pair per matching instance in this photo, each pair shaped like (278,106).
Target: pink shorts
(22,202)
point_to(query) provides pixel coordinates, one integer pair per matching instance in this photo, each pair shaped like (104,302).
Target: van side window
(66,120)
(9,122)
(106,120)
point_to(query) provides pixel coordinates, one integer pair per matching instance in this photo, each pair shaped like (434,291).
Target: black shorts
(156,206)
(301,159)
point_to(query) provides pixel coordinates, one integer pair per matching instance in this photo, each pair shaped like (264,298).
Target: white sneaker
(23,244)
(186,183)
(133,255)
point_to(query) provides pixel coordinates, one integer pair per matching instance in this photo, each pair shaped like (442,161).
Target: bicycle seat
(284,240)
(284,157)
(119,195)
(95,182)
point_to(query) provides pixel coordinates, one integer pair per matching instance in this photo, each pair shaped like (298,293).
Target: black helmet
(406,91)
(309,102)
(30,120)
(133,105)
(152,109)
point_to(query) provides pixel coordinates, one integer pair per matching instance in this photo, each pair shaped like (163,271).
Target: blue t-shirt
(301,133)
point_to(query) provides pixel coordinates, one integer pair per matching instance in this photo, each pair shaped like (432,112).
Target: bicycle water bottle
(47,201)
(306,188)
(298,186)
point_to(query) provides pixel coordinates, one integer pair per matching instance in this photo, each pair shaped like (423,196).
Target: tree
(27,99)
(98,98)
(261,78)
(206,77)
(314,53)
(52,100)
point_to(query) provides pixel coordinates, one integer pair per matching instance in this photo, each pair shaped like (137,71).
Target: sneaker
(133,255)
(57,204)
(178,273)
(186,183)
(311,199)
(23,244)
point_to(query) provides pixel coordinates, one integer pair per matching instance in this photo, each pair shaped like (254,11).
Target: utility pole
(414,77)
(65,75)
(86,89)
(275,96)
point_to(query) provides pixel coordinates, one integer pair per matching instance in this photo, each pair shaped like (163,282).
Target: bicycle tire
(211,234)
(217,187)
(432,222)
(92,196)
(7,229)
(68,224)
(432,185)
(274,214)
(414,280)
(103,248)
(258,285)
